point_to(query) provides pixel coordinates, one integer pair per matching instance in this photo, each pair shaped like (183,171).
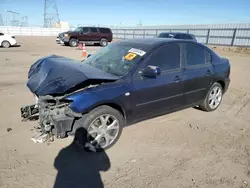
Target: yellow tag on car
(130,56)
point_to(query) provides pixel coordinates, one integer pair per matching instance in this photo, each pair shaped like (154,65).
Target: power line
(51,15)
(1,20)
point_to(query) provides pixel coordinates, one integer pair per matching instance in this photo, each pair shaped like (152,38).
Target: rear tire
(92,131)
(103,42)
(73,42)
(213,98)
(5,44)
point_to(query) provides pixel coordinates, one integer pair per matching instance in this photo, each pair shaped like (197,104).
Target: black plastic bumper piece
(29,111)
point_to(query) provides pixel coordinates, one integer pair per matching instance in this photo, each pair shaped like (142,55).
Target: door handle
(177,79)
(208,72)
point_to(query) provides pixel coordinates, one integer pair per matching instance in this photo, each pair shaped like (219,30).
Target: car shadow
(79,168)
(17,45)
(13,46)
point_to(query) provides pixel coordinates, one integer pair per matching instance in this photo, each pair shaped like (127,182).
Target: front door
(165,92)
(84,34)
(199,74)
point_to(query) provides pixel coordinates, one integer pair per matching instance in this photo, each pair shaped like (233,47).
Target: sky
(132,12)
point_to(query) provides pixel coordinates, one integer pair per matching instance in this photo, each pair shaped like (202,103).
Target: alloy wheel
(103,131)
(215,97)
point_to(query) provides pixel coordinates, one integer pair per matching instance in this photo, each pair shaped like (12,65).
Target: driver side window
(166,57)
(85,30)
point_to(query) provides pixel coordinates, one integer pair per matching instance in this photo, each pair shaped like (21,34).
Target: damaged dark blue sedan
(125,82)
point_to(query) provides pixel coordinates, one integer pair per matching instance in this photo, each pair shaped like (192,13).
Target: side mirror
(150,71)
(89,55)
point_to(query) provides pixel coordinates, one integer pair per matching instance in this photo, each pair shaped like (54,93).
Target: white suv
(7,40)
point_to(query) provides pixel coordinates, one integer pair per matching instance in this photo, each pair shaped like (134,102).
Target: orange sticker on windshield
(130,56)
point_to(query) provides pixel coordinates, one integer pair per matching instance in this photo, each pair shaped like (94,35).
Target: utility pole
(51,15)
(24,22)
(14,18)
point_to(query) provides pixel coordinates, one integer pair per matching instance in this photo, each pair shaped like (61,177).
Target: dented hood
(57,75)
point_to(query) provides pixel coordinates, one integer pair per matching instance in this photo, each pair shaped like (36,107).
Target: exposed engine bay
(54,116)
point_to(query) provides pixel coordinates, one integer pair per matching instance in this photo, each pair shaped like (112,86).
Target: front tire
(5,44)
(103,127)
(73,42)
(213,98)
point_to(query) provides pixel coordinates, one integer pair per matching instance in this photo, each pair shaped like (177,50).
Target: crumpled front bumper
(57,120)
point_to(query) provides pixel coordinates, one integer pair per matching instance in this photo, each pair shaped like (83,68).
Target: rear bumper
(12,41)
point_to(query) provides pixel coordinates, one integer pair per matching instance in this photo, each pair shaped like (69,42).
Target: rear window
(104,30)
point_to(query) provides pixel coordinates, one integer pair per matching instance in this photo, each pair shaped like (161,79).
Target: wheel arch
(114,105)
(103,38)
(5,41)
(222,83)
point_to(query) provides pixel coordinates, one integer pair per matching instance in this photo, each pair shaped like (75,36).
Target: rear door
(165,92)
(106,33)
(95,35)
(198,74)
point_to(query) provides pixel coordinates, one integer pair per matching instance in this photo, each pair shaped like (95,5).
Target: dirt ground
(189,148)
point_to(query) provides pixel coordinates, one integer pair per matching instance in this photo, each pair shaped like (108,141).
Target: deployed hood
(57,75)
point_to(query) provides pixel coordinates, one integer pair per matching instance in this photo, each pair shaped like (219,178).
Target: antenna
(1,20)
(51,15)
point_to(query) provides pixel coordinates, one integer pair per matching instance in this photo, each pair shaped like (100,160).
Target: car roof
(153,43)
(94,27)
(175,33)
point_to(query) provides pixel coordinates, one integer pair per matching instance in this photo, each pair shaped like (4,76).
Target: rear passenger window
(186,37)
(178,36)
(195,55)
(94,30)
(104,30)
(166,58)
